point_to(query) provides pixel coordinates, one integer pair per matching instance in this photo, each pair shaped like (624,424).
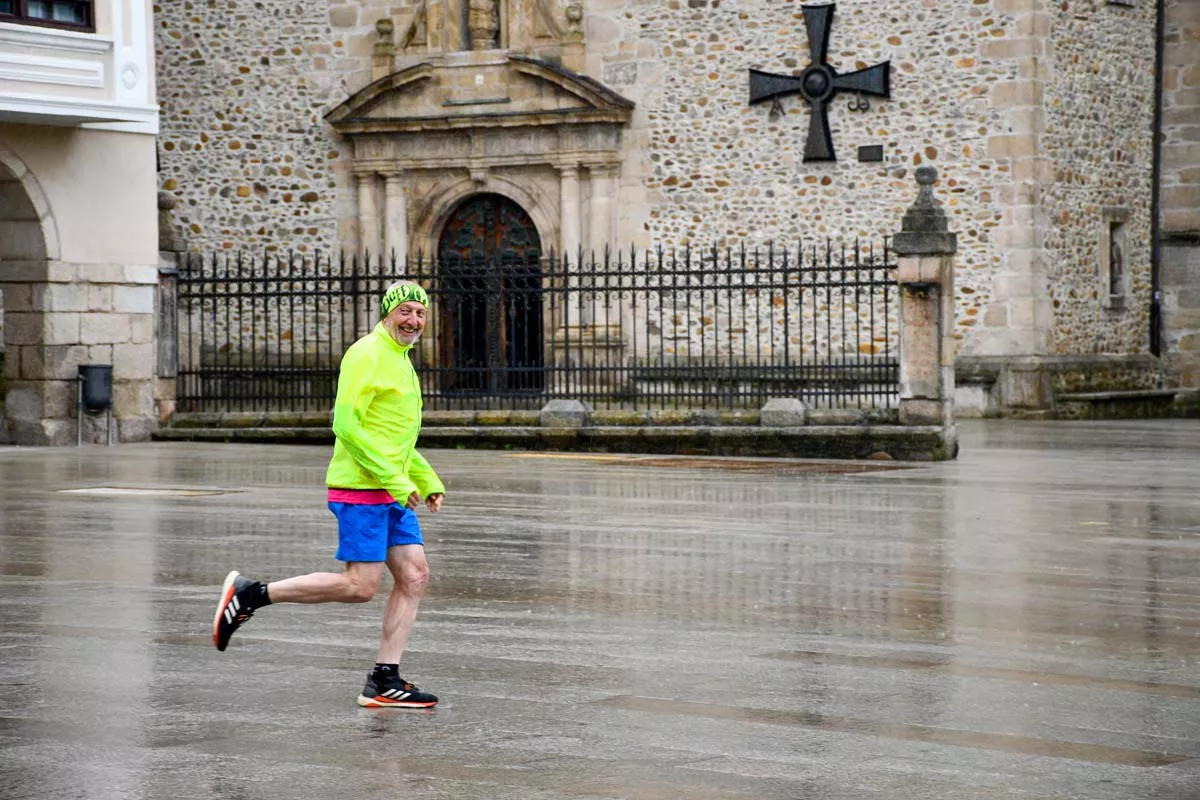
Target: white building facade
(78,213)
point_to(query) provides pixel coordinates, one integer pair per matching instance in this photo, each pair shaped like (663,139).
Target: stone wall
(78,276)
(1098,141)
(244,86)
(1181,190)
(1181,118)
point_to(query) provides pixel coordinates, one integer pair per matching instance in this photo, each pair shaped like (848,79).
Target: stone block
(52,362)
(141,274)
(134,299)
(1033,168)
(1016,145)
(619,418)
(96,328)
(60,328)
(924,269)
(12,363)
(1024,389)
(837,416)
(100,297)
(496,417)
(18,298)
(1182,197)
(1011,49)
(99,273)
(922,412)
(565,414)
(24,271)
(20,329)
(1017,7)
(23,401)
(60,398)
(784,412)
(136,429)
(141,328)
(133,399)
(133,361)
(1014,94)
(60,297)
(60,272)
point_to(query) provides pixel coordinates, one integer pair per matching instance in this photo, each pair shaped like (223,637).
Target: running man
(376,480)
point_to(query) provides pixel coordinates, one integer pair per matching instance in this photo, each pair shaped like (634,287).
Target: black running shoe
(394,693)
(232,611)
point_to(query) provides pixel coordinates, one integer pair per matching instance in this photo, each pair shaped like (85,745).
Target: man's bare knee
(414,578)
(411,577)
(361,585)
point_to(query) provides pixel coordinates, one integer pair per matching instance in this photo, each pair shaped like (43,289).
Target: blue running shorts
(366,531)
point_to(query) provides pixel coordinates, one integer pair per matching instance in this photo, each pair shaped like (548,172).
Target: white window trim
(54,39)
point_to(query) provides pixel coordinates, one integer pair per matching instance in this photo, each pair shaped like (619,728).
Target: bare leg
(410,573)
(357,584)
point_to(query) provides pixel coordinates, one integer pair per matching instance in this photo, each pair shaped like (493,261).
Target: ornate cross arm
(819,83)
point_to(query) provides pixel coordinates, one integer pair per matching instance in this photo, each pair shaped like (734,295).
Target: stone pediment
(479,89)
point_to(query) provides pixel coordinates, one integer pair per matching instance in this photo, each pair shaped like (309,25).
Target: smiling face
(405,322)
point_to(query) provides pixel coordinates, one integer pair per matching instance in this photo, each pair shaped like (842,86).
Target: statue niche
(540,28)
(483,23)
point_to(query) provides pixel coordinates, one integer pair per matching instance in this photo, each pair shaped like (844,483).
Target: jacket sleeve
(422,474)
(355,392)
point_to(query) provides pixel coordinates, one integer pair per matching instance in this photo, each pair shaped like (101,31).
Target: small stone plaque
(870,152)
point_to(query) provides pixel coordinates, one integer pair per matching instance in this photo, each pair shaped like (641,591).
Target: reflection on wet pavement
(1021,623)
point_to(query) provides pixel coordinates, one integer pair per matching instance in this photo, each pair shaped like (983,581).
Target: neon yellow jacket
(376,418)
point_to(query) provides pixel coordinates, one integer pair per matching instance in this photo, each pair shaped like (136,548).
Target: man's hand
(434,501)
(413,501)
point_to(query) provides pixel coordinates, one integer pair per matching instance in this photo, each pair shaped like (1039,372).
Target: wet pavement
(1021,623)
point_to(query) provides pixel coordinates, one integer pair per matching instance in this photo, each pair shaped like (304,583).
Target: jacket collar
(382,333)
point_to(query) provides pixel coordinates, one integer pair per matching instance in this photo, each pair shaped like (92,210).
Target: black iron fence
(650,329)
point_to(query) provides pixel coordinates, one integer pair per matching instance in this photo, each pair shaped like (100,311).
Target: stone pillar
(570,219)
(603,197)
(572,42)
(383,54)
(571,242)
(395,213)
(1019,323)
(925,274)
(1180,220)
(368,214)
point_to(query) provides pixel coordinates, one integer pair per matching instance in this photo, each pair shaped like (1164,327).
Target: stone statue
(483,20)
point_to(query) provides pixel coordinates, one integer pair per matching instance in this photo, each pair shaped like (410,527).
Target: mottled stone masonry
(1181,118)
(722,171)
(1098,140)
(243,88)
(1036,114)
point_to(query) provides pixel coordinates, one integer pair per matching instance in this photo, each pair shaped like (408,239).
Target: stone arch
(439,204)
(28,240)
(22,200)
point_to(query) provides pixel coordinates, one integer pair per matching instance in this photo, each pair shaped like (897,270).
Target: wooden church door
(491,329)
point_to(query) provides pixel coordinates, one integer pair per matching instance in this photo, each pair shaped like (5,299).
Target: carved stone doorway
(491,328)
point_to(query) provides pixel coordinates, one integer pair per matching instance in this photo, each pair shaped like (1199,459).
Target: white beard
(400,336)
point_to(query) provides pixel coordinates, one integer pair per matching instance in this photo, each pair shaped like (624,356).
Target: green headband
(402,294)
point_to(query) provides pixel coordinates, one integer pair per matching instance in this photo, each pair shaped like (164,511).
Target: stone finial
(169,240)
(574,14)
(385,44)
(924,230)
(383,54)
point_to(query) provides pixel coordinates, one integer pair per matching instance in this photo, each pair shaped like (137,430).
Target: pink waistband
(361,497)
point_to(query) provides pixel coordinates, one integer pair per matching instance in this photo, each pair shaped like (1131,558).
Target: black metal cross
(819,83)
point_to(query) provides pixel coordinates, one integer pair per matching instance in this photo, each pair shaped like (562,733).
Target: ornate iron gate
(651,329)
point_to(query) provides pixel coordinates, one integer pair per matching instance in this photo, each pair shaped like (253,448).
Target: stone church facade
(361,125)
